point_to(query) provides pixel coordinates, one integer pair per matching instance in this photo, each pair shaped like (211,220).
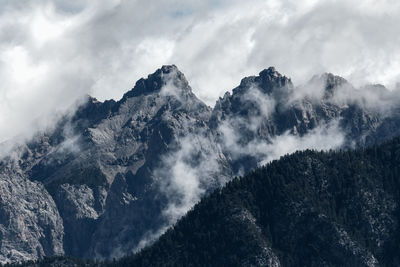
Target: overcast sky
(54,52)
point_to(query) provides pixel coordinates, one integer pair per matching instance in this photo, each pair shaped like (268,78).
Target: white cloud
(324,137)
(54,52)
(185,175)
(187,172)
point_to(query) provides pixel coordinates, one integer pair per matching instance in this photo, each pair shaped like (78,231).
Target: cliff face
(112,177)
(31,225)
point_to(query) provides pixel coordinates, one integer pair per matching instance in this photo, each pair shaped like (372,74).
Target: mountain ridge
(160,148)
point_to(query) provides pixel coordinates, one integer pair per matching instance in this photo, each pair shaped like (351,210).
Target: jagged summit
(161,77)
(267,80)
(244,99)
(330,83)
(329,78)
(270,72)
(168,68)
(91,99)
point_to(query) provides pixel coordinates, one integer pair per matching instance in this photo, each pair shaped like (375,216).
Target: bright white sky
(54,52)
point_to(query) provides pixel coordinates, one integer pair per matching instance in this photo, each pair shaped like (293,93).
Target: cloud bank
(54,52)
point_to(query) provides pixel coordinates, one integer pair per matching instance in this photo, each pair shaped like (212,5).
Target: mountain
(269,105)
(110,178)
(306,209)
(98,165)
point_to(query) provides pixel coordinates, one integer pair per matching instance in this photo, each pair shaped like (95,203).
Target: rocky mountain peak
(166,75)
(168,69)
(270,72)
(330,83)
(91,99)
(267,80)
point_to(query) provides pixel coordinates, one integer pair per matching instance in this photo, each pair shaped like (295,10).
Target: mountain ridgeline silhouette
(111,178)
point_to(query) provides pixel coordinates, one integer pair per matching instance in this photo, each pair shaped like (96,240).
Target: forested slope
(306,209)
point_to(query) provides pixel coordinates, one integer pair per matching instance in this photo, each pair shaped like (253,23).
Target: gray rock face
(31,226)
(103,167)
(267,106)
(119,173)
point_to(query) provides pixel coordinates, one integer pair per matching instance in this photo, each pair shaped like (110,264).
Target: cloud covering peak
(55,52)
